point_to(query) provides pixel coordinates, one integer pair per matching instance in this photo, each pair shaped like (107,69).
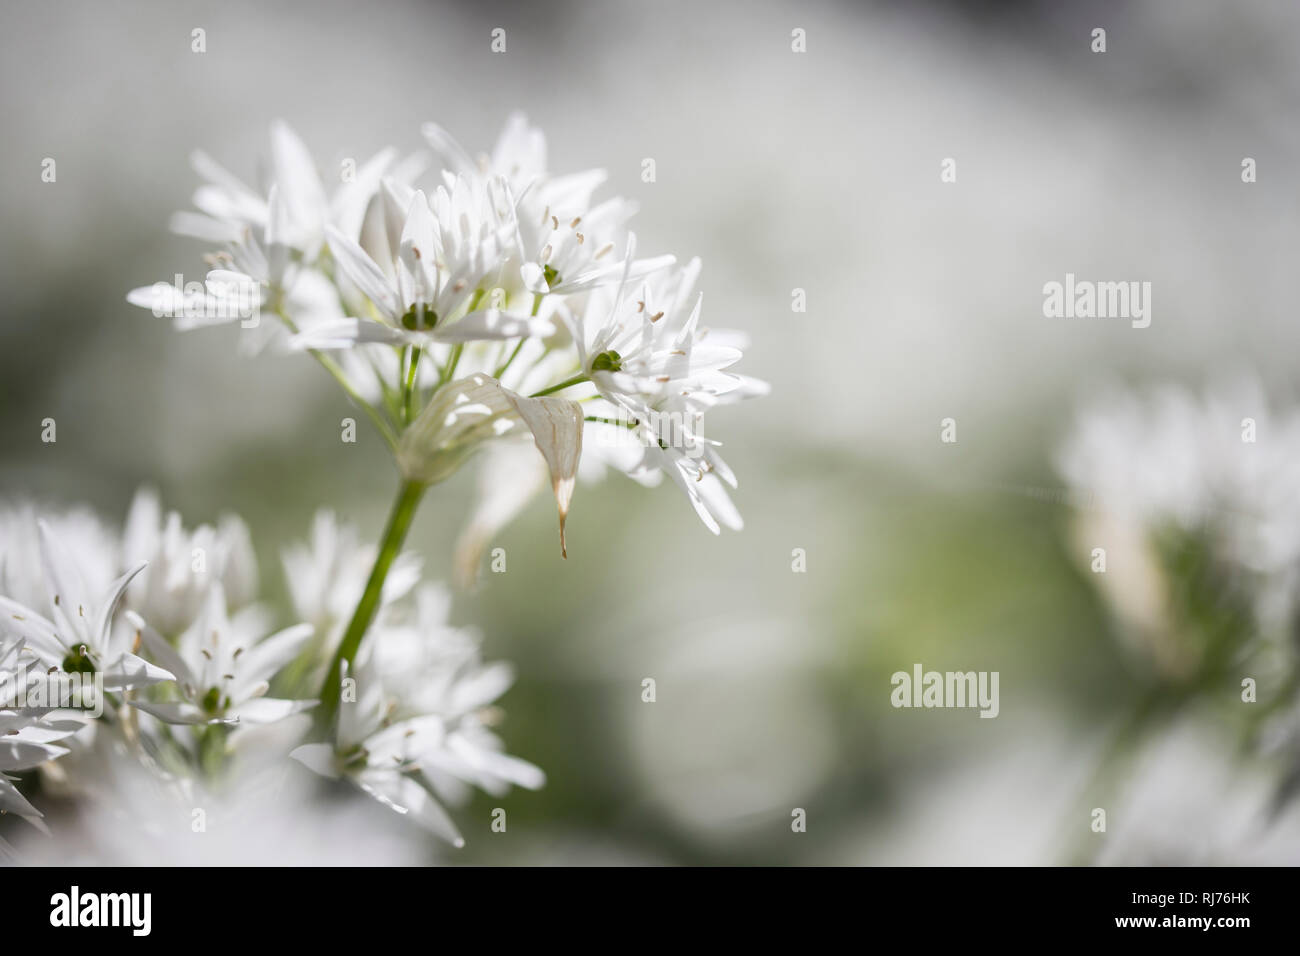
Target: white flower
(658,371)
(95,544)
(229,210)
(567,245)
(272,242)
(183,564)
(80,637)
(415,731)
(28,737)
(450,250)
(1170,458)
(1196,497)
(223,667)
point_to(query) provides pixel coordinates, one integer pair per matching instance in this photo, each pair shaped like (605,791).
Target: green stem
(333,368)
(501,369)
(576,380)
(452,361)
(537,307)
(611,421)
(399,522)
(410,389)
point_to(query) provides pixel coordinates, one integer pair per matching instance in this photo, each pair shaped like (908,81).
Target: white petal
(406,796)
(100,631)
(294,173)
(349,204)
(481,689)
(68,593)
(177,712)
(367,276)
(19,754)
(33,628)
(161,650)
(264,659)
(519,772)
(318,758)
(267,710)
(345,333)
(448,150)
(492,324)
(129,671)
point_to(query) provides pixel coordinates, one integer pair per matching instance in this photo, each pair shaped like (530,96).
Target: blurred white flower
(326,575)
(96,546)
(1226,466)
(1196,506)
(183,564)
(415,730)
(293,206)
(133,815)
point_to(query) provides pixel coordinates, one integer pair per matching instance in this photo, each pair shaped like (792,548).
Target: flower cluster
(1192,504)
(171,664)
(1222,468)
(468,303)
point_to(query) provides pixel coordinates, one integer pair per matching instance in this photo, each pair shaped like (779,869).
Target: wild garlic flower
(493,302)
(565,243)
(79,636)
(445,252)
(29,736)
(413,728)
(194,708)
(222,667)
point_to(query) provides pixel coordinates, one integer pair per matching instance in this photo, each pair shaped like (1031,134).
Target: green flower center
(212,702)
(78,662)
(418,318)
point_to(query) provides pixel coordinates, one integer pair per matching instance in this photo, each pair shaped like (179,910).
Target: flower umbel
(469,300)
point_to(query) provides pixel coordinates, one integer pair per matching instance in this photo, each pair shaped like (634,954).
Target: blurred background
(817,171)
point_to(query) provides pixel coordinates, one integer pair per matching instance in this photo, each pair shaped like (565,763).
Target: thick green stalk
(399,522)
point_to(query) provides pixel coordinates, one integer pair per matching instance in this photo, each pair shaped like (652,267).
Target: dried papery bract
(465,414)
